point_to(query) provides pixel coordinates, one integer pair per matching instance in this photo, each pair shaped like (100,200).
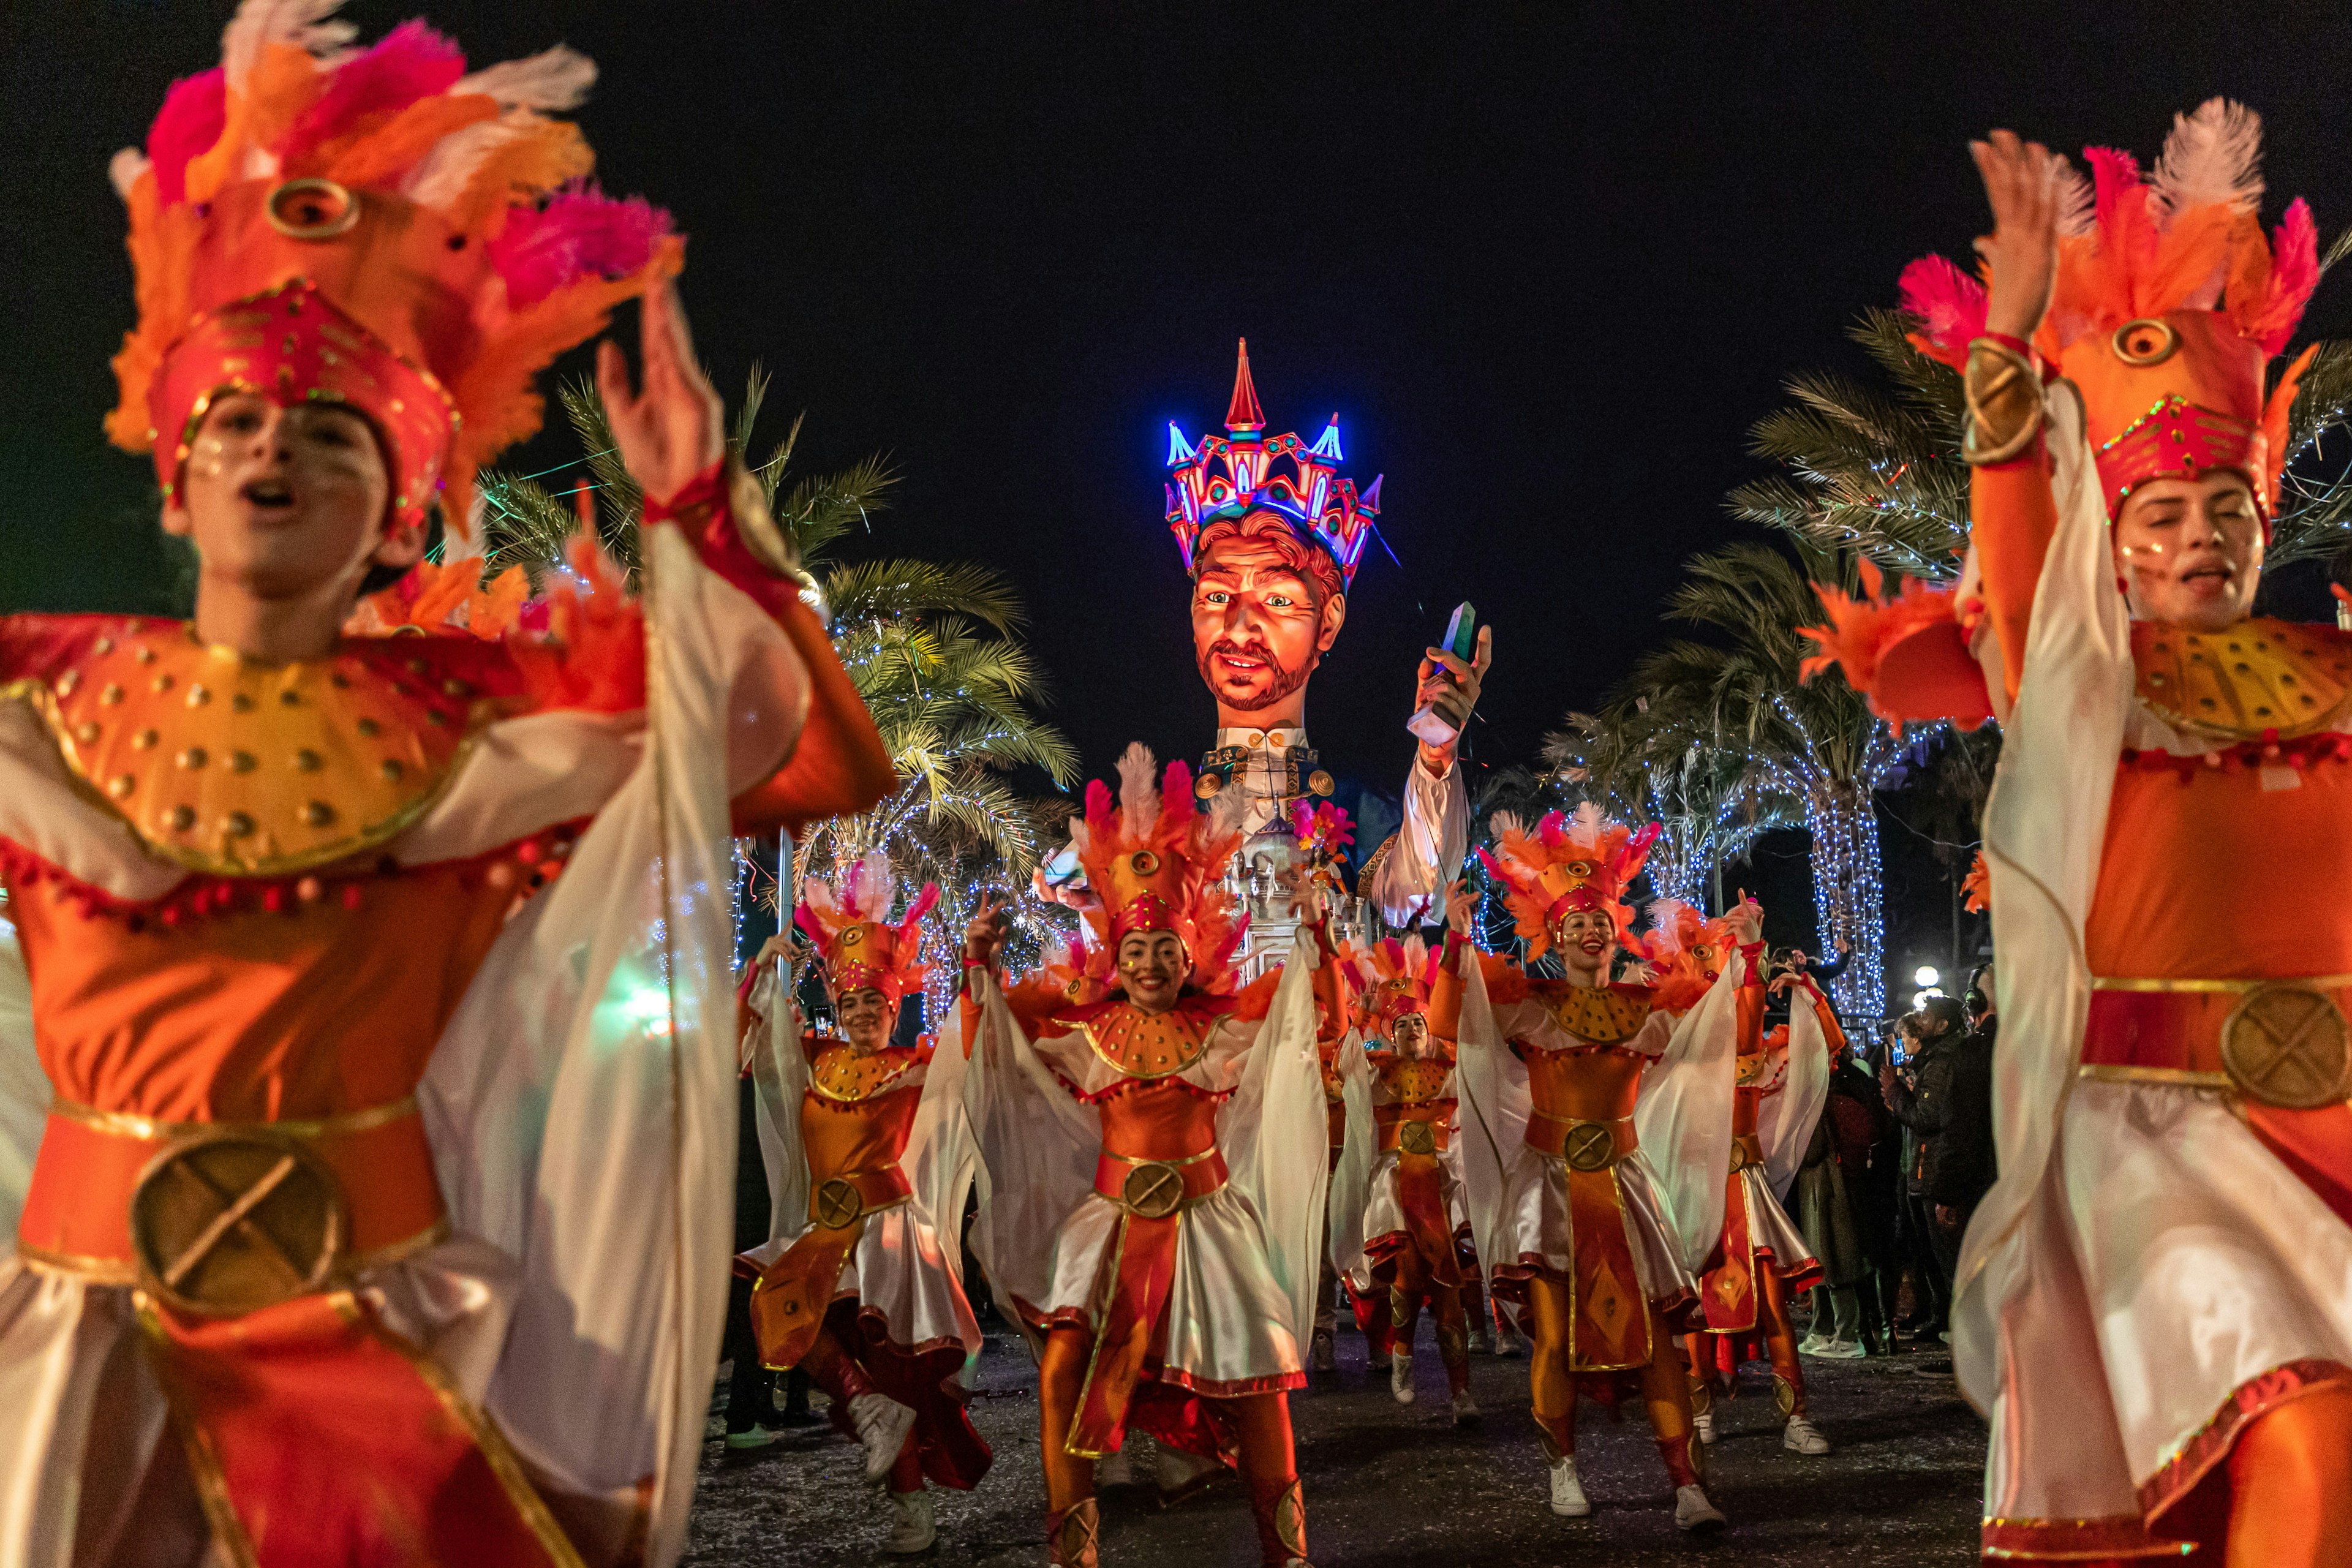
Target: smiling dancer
(379,1210)
(1154,1156)
(1596,1118)
(870,1145)
(2155,1303)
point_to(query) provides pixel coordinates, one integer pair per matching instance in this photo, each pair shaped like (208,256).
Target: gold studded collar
(2261,676)
(1598,1014)
(1149,1045)
(238,767)
(1410,1081)
(840,1072)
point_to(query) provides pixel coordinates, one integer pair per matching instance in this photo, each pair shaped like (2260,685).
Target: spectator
(1920,1098)
(1862,1161)
(1965,1162)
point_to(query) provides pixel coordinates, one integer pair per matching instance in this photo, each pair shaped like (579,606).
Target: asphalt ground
(1398,1487)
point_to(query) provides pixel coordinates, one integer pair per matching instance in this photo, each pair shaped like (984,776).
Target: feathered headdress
(1153,862)
(376,227)
(2169,302)
(854,939)
(1395,976)
(1568,863)
(1686,951)
(1976,887)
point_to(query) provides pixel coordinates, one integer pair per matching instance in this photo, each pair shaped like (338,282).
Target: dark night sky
(1548,267)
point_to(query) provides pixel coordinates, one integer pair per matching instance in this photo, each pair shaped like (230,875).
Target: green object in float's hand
(1438,722)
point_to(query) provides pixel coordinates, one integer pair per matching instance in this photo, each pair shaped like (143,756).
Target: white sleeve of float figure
(1411,882)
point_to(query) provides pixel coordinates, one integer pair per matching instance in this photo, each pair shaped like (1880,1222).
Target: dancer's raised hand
(672,429)
(2024,182)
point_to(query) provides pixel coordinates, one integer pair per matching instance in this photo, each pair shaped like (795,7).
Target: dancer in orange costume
(1594,1118)
(1153,1146)
(1762,1261)
(1399,1180)
(870,1144)
(379,1209)
(2155,1303)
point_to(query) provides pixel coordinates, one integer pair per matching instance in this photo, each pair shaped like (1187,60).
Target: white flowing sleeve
(941,1154)
(1351,1183)
(1683,1116)
(1492,1106)
(582,1103)
(24,1092)
(1409,883)
(1784,1122)
(1035,1152)
(1275,1136)
(779,1076)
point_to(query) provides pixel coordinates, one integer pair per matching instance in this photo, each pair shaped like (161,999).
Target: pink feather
(1098,809)
(581,233)
(2294,273)
(413,62)
(1176,805)
(1949,304)
(192,118)
(920,907)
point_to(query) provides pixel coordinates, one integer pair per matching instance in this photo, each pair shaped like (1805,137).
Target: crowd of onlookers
(1901,1157)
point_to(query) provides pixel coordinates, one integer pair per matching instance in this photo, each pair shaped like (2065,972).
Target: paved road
(1391,1487)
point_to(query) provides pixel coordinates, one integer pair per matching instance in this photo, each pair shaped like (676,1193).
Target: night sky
(1547,268)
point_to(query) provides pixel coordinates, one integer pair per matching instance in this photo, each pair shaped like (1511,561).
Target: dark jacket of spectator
(1965,1161)
(1923,1106)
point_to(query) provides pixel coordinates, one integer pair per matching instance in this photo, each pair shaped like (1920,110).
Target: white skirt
(1769,1228)
(900,1269)
(2209,1263)
(85,1412)
(1384,1211)
(1228,1320)
(1538,1231)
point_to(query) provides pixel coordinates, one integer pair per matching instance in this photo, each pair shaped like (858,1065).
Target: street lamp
(1926,975)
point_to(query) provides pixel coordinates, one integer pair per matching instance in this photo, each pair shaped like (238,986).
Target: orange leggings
(1407,1289)
(1666,1391)
(2291,1485)
(1779,1335)
(1260,1424)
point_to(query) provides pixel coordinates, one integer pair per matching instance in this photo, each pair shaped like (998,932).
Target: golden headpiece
(1568,863)
(1154,861)
(375,227)
(1396,975)
(854,939)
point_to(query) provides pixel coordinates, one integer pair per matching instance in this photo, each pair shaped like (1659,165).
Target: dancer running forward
(1596,1120)
(1154,1163)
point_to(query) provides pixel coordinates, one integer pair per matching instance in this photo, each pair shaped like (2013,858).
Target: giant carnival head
(350,264)
(1271,556)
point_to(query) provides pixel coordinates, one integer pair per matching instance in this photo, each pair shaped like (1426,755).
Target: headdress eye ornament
(1143,863)
(312,209)
(2146,341)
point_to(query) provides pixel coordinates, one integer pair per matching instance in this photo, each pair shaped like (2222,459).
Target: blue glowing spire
(1328,447)
(1178,452)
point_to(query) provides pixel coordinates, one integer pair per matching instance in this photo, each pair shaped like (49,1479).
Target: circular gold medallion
(1589,1146)
(1208,785)
(1153,1191)
(2288,1046)
(1143,862)
(1321,782)
(311,209)
(1784,1396)
(2146,341)
(1739,1158)
(1417,1137)
(230,1221)
(853,936)
(838,1204)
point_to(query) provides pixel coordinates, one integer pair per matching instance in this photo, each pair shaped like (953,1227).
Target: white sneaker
(1400,1377)
(1568,1499)
(1842,1350)
(754,1437)
(1507,1345)
(1466,1409)
(1694,1512)
(1703,1423)
(1803,1436)
(1811,1344)
(912,1525)
(881,1424)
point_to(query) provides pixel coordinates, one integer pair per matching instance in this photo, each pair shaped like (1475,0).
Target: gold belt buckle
(1153,1190)
(234,1219)
(1740,1158)
(2287,1045)
(1417,1137)
(838,1204)
(1589,1146)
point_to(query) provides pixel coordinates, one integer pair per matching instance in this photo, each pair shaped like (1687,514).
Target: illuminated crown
(854,939)
(1226,476)
(1583,862)
(1154,862)
(2169,304)
(373,228)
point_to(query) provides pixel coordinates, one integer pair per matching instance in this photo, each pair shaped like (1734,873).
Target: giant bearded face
(1264,609)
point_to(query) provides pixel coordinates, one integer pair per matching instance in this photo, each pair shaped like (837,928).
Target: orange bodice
(250,1014)
(1746,1101)
(1158,1119)
(866,1133)
(2215,876)
(1584,1083)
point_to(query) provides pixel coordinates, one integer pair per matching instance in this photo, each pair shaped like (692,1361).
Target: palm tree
(934,649)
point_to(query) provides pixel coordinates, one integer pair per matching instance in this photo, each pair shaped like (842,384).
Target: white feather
(2214,154)
(559,77)
(1138,791)
(2078,203)
(124,169)
(301,23)
(1506,823)
(442,175)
